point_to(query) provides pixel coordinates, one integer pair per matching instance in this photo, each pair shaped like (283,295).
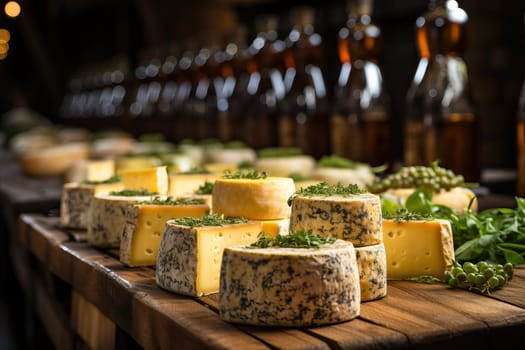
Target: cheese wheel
(290,287)
(371,261)
(53,160)
(256,199)
(361,176)
(107,219)
(90,170)
(284,166)
(354,218)
(189,258)
(234,156)
(76,199)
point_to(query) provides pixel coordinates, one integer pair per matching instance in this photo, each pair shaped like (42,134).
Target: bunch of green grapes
(481,277)
(433,178)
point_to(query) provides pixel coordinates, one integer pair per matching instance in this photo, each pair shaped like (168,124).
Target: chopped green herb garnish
(205,188)
(298,239)
(424,279)
(298,177)
(402,214)
(196,170)
(324,189)
(171,201)
(131,193)
(245,165)
(209,220)
(273,152)
(337,162)
(113,179)
(243,174)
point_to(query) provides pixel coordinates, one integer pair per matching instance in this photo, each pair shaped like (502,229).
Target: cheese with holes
(276,227)
(284,166)
(371,261)
(76,199)
(144,226)
(90,170)
(354,218)
(290,287)
(107,217)
(255,199)
(417,248)
(186,184)
(189,258)
(154,179)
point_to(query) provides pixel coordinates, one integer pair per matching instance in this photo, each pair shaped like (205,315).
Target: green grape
(469,267)
(453,282)
(488,272)
(471,278)
(480,280)
(461,276)
(493,282)
(482,265)
(502,280)
(456,270)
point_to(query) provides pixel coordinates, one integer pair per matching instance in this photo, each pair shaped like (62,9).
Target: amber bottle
(360,124)
(441,123)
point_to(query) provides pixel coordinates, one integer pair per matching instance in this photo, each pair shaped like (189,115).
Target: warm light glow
(5,36)
(4,47)
(12,9)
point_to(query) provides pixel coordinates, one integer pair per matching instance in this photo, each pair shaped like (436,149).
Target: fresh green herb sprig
(174,201)
(403,214)
(205,188)
(210,220)
(195,170)
(111,180)
(245,174)
(298,239)
(131,193)
(325,189)
(274,152)
(482,277)
(334,161)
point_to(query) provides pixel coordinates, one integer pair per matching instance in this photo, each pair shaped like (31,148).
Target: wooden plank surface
(411,315)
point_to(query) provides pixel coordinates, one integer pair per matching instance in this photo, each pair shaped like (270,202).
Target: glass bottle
(304,121)
(265,86)
(360,124)
(520,183)
(440,123)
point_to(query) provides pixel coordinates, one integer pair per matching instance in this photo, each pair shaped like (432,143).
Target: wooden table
(85,294)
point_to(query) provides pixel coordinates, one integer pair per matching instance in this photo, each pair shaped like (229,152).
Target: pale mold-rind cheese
(189,258)
(107,219)
(290,287)
(144,226)
(76,201)
(416,248)
(284,166)
(355,218)
(255,199)
(371,261)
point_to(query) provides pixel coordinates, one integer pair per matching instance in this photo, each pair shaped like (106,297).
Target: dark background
(52,40)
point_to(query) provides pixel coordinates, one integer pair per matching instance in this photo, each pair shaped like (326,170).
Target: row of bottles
(272,91)
(520,140)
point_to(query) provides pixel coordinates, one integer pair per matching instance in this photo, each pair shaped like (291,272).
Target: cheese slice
(371,261)
(90,170)
(107,217)
(417,248)
(255,199)
(290,287)
(144,226)
(76,199)
(189,258)
(355,218)
(186,184)
(154,179)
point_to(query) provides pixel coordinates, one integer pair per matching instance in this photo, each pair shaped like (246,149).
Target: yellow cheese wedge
(76,199)
(276,227)
(284,166)
(255,199)
(90,170)
(130,163)
(154,180)
(186,184)
(145,223)
(416,248)
(189,258)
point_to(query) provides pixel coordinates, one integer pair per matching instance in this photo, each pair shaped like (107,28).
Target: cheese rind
(90,170)
(290,287)
(417,248)
(154,179)
(255,199)
(279,227)
(354,218)
(76,201)
(284,166)
(189,258)
(107,219)
(371,261)
(143,229)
